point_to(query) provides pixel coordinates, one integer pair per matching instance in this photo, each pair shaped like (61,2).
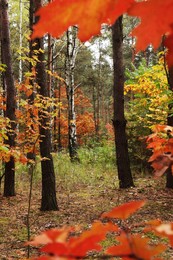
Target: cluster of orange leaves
(156,19)
(84,119)
(161,144)
(70,243)
(110,132)
(27,122)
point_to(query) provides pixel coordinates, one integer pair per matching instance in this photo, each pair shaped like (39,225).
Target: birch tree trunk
(119,121)
(71,53)
(9,182)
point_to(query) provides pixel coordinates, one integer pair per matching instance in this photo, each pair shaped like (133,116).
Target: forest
(86,129)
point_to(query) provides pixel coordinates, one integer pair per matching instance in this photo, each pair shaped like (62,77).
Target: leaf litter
(79,206)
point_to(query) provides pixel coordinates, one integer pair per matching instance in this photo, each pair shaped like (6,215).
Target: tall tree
(31,154)
(169,175)
(49,201)
(9,182)
(119,121)
(71,53)
(20,37)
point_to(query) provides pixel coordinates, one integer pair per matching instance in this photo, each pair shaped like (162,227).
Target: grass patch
(96,167)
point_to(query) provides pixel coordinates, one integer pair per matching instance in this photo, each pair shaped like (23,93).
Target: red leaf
(169,44)
(137,246)
(156,19)
(56,248)
(58,243)
(162,163)
(166,230)
(125,210)
(51,236)
(56,17)
(89,239)
(124,249)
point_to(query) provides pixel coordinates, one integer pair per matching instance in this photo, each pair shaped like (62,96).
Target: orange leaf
(161,229)
(56,248)
(162,163)
(23,159)
(50,236)
(166,230)
(135,246)
(125,210)
(154,222)
(124,249)
(29,92)
(169,43)
(89,239)
(156,19)
(56,17)
(80,245)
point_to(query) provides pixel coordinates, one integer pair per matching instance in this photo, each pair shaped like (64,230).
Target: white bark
(72,49)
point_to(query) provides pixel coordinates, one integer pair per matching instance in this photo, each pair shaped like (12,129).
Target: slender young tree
(9,182)
(119,121)
(49,201)
(71,53)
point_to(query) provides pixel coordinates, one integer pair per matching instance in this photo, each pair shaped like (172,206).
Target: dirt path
(79,206)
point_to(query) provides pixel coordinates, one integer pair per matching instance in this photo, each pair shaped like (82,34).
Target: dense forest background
(79,117)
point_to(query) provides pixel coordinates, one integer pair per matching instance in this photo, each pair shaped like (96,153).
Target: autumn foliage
(161,144)
(74,243)
(156,19)
(84,118)
(156,26)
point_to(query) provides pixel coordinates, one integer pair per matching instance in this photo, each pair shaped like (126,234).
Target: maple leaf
(168,43)
(156,21)
(56,248)
(136,247)
(166,230)
(125,210)
(51,236)
(89,239)
(161,164)
(161,229)
(56,17)
(80,245)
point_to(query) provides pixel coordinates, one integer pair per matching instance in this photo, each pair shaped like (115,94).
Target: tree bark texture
(49,201)
(20,39)
(31,154)
(59,118)
(169,175)
(69,78)
(9,182)
(119,121)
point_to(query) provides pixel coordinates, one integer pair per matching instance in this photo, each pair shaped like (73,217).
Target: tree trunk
(69,77)
(20,38)
(59,119)
(49,201)
(169,175)
(9,182)
(50,64)
(119,121)
(31,155)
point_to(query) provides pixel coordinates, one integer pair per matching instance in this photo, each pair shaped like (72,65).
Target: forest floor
(79,204)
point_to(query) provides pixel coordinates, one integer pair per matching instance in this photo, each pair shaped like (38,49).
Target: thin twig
(32,165)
